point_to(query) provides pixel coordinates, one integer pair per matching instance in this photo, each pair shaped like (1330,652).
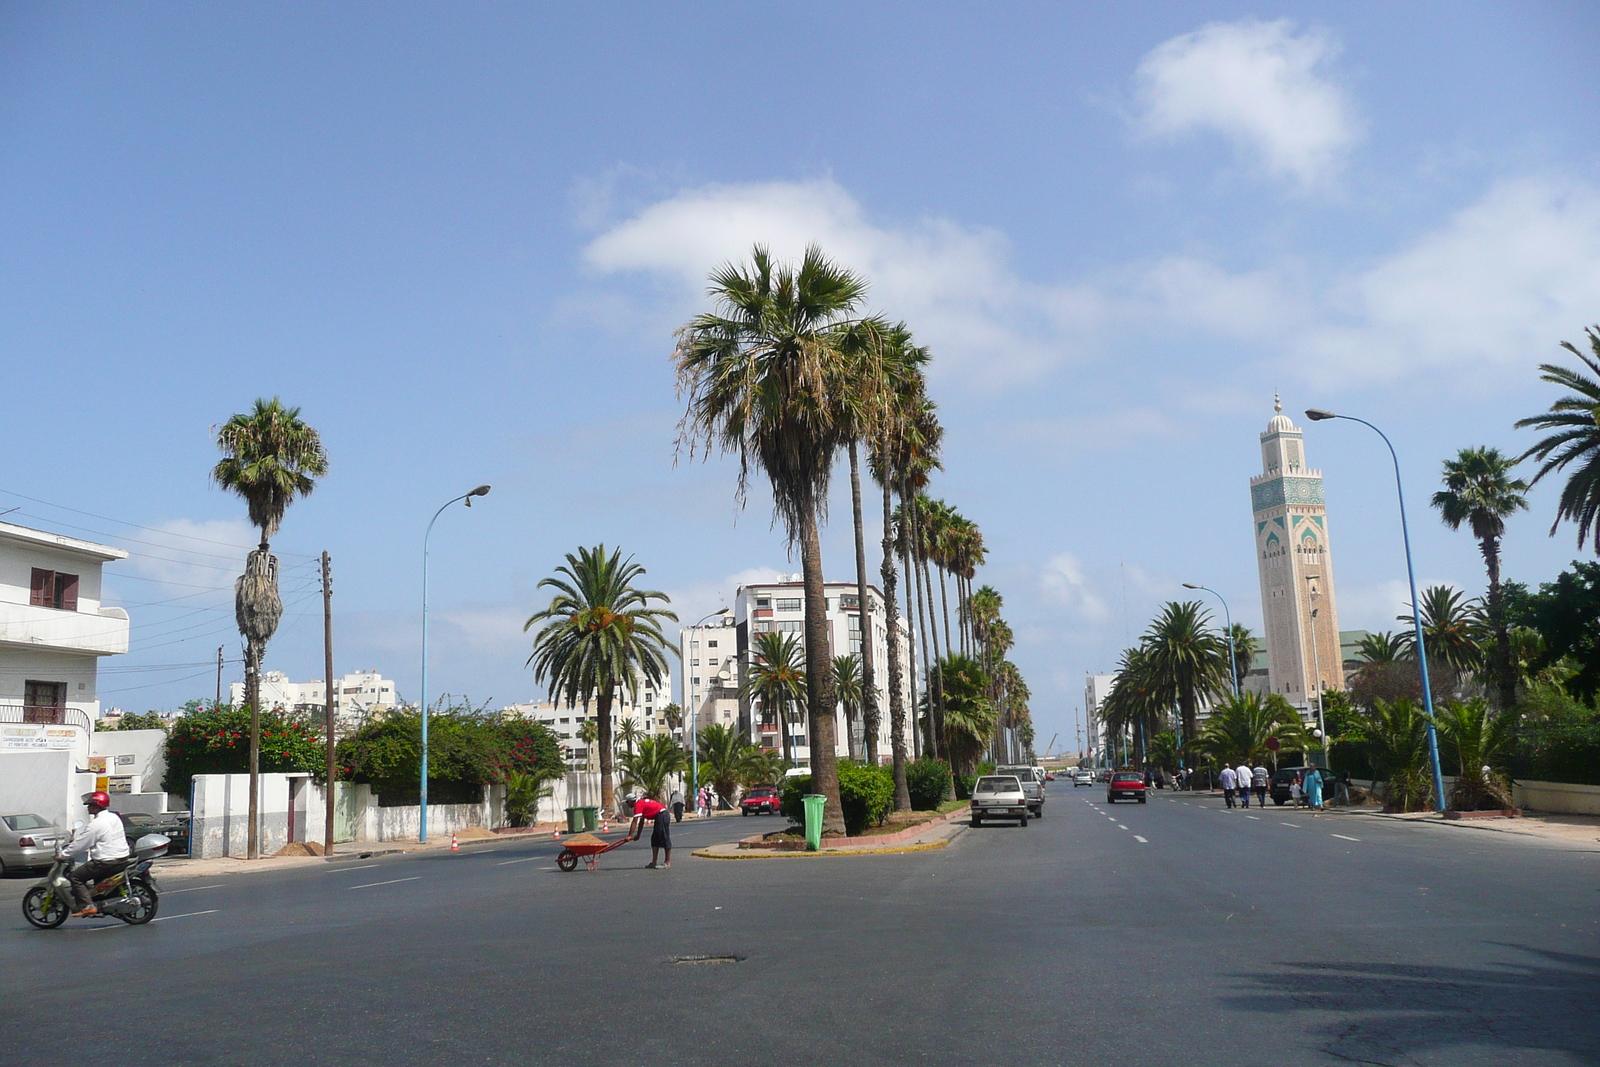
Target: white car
(999,796)
(1082,778)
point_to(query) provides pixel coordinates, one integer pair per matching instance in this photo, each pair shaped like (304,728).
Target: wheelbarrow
(590,851)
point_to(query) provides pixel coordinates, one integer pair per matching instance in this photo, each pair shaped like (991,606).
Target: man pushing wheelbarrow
(652,810)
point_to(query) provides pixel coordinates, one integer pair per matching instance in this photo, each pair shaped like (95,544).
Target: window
(850,601)
(565,722)
(855,623)
(788,604)
(789,626)
(44,702)
(697,680)
(53,589)
(713,644)
(763,602)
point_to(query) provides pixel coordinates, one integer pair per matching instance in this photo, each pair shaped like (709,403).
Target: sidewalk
(931,835)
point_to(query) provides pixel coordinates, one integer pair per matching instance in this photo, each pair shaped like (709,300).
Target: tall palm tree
(270,457)
(1573,436)
(777,677)
(1245,648)
(599,633)
(1479,491)
(848,683)
(1451,625)
(629,733)
(589,734)
(1386,647)
(1187,661)
(762,373)
(1137,703)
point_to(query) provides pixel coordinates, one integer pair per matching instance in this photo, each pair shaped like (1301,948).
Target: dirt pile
(300,848)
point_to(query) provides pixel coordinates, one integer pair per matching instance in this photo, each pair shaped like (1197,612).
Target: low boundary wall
(1563,798)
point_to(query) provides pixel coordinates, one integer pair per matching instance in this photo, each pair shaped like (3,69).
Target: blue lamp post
(1233,664)
(1318,415)
(422,820)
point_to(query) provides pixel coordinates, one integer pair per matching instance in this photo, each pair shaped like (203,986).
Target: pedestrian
(661,837)
(1243,775)
(711,799)
(1259,779)
(1294,791)
(1341,789)
(700,802)
(1313,788)
(1229,778)
(675,801)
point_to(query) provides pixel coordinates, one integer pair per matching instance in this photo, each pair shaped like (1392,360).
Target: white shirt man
(1242,776)
(1230,779)
(104,844)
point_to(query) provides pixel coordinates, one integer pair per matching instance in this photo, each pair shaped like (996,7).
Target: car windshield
(1021,774)
(25,822)
(1129,777)
(998,784)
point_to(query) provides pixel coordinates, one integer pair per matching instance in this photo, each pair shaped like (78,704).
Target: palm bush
(1240,726)
(650,764)
(1397,744)
(524,790)
(1478,739)
(969,717)
(726,758)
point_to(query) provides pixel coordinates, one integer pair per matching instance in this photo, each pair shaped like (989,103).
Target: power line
(135,525)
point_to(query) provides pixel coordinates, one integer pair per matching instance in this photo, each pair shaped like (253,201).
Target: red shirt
(648,808)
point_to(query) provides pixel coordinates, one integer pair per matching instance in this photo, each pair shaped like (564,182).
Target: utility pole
(218,704)
(327,692)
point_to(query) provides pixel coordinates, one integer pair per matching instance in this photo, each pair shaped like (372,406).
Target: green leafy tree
(777,678)
(1239,727)
(467,748)
(1565,614)
(656,759)
(1572,438)
(1186,661)
(847,687)
(1480,493)
(599,633)
(270,457)
(133,720)
(762,373)
(216,740)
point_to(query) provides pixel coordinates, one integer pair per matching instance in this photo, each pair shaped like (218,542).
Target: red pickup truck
(762,800)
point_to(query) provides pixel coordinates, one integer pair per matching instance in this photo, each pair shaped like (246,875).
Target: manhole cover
(703,958)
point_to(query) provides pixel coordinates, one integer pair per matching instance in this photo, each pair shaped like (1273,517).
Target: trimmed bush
(866,794)
(928,781)
(1557,752)
(218,742)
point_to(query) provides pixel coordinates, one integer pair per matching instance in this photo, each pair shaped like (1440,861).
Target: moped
(130,895)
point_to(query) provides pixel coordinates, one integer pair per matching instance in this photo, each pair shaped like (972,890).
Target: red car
(1125,785)
(762,800)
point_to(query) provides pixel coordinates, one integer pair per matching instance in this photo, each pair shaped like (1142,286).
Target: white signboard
(36,737)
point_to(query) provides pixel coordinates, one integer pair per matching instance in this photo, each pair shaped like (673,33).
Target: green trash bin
(591,818)
(814,803)
(574,820)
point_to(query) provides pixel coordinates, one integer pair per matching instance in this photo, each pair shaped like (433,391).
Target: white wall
(148,748)
(20,665)
(40,782)
(219,823)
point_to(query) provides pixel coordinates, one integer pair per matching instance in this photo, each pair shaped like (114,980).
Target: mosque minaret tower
(1292,551)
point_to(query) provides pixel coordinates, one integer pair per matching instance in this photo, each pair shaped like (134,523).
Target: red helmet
(97,799)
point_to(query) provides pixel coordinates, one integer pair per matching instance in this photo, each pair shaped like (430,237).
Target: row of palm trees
(786,374)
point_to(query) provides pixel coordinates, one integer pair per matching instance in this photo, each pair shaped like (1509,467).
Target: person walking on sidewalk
(1258,781)
(661,837)
(1341,789)
(1313,788)
(1242,775)
(675,802)
(1229,779)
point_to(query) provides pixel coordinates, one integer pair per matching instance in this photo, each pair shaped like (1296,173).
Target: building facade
(1294,557)
(1096,687)
(643,705)
(709,654)
(355,696)
(779,607)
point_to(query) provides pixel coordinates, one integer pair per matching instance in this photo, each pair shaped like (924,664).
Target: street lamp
(422,818)
(694,713)
(1316,668)
(1319,415)
(1233,664)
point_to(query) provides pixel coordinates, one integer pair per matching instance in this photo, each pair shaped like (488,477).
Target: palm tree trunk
(897,703)
(1505,678)
(944,604)
(925,600)
(608,796)
(252,696)
(783,735)
(870,712)
(821,735)
(935,672)
(912,631)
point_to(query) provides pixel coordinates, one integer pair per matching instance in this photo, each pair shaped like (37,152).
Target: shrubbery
(865,792)
(464,749)
(1557,752)
(928,780)
(218,742)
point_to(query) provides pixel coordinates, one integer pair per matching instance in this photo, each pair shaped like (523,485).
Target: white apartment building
(643,705)
(354,696)
(709,654)
(780,607)
(1096,687)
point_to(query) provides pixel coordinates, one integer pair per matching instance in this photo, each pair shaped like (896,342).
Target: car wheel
(744,812)
(1024,819)
(977,821)
(1142,800)
(1278,802)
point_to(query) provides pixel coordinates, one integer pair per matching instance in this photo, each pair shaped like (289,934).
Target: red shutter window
(66,591)
(42,590)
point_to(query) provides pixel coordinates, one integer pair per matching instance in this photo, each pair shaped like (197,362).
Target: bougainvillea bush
(216,740)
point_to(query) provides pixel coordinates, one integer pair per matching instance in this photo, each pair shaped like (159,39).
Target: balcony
(51,630)
(48,716)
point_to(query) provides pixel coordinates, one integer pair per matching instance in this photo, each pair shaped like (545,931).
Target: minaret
(1297,601)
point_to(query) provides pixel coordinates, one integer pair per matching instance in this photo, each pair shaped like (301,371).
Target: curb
(927,846)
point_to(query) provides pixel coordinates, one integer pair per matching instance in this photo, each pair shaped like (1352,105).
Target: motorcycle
(130,895)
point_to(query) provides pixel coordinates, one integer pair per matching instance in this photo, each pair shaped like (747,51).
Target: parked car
(999,796)
(1125,785)
(173,825)
(1032,780)
(1280,790)
(761,800)
(1082,778)
(27,841)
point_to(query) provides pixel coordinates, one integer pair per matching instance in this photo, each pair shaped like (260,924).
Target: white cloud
(1063,583)
(1498,285)
(192,554)
(1260,85)
(952,283)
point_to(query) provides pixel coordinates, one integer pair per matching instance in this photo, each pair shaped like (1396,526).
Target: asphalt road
(1165,933)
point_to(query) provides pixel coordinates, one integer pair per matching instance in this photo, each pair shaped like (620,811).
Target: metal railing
(46,715)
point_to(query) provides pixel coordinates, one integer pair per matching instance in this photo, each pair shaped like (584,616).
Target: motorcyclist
(104,844)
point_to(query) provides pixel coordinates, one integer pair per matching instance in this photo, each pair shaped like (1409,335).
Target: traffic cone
(453,846)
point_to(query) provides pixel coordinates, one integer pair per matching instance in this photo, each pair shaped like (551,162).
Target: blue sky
(460,237)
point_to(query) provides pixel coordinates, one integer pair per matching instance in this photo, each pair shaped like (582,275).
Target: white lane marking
(363,867)
(191,889)
(185,915)
(1257,818)
(1121,827)
(525,859)
(391,881)
(483,851)
(1139,839)
(1296,825)
(1342,837)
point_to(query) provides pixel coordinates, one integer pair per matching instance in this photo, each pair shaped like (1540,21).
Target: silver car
(999,796)
(27,841)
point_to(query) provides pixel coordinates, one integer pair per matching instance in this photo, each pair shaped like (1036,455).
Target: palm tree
(1450,628)
(1137,703)
(1479,491)
(1186,660)
(1479,738)
(1246,646)
(969,718)
(270,457)
(777,678)
(1573,423)
(1239,727)
(674,716)
(629,733)
(847,688)
(599,632)
(762,374)
(1386,647)
(657,759)
(726,755)
(589,733)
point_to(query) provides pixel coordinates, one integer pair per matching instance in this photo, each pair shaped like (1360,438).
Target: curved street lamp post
(1319,415)
(422,819)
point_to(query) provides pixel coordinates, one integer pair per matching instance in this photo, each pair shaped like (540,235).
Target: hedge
(865,792)
(928,781)
(218,742)
(1557,752)
(465,749)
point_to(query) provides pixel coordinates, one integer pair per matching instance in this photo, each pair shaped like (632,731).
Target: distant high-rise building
(1292,551)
